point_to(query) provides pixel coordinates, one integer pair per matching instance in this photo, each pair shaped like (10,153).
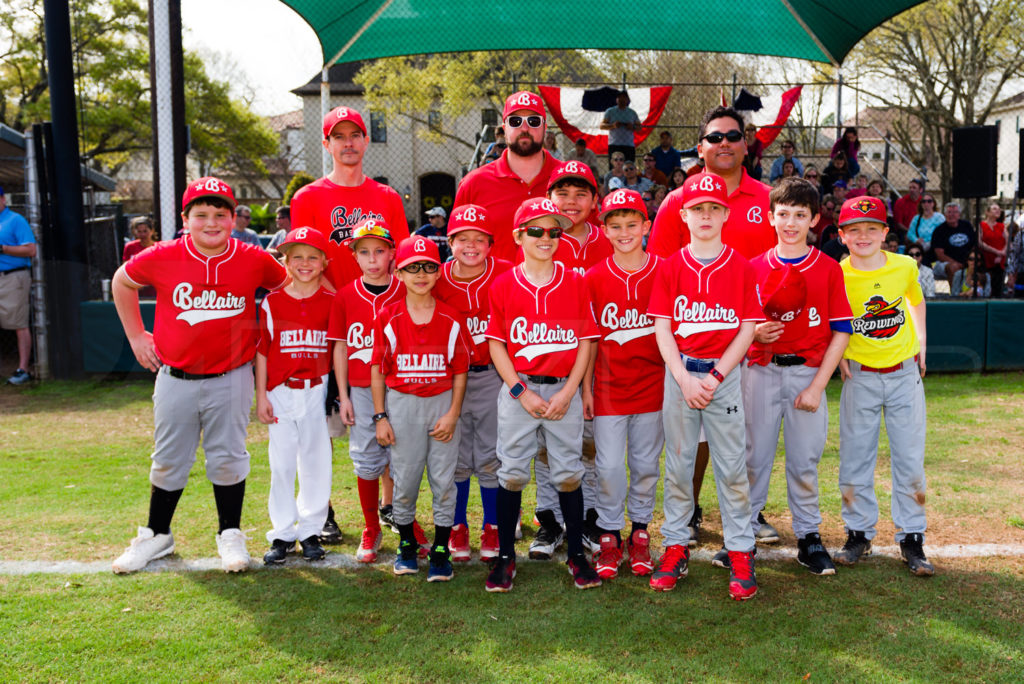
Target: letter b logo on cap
(707,184)
(421,245)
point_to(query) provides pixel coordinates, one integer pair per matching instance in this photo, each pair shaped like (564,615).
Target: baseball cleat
(519,524)
(489,542)
(609,557)
(639,548)
(912,553)
(144,548)
(369,545)
(546,542)
(742,580)
(695,522)
(311,549)
(405,562)
(766,534)
(721,559)
(583,576)
(503,571)
(421,539)
(331,534)
(234,557)
(440,565)
(672,567)
(278,552)
(386,513)
(458,542)
(857,545)
(591,533)
(813,555)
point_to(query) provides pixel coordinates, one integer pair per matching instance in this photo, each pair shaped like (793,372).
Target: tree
(945,64)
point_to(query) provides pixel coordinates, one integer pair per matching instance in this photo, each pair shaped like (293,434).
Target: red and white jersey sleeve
(541,325)
(470,298)
(706,303)
(629,372)
(205,306)
(335,209)
(808,334)
(420,359)
(353,317)
(293,336)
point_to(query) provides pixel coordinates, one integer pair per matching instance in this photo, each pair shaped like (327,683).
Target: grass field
(73,463)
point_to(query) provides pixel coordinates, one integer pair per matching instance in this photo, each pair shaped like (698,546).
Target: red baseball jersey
(470,299)
(629,372)
(747,230)
(580,256)
(497,189)
(541,325)
(353,317)
(705,303)
(335,209)
(293,336)
(420,359)
(205,306)
(809,333)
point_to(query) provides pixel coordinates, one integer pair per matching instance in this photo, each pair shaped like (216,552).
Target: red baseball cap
(784,293)
(539,207)
(862,208)
(469,217)
(416,248)
(208,186)
(304,236)
(523,99)
(705,187)
(572,169)
(623,198)
(369,228)
(339,114)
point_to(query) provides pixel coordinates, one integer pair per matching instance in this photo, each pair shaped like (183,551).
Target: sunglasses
(425,266)
(533,121)
(927,201)
(715,138)
(914,254)
(538,232)
(245,215)
(812,175)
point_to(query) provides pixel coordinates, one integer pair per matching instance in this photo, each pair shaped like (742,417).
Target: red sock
(369,490)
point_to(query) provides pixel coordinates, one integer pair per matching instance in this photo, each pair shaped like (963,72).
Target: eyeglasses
(425,266)
(812,175)
(538,232)
(715,138)
(914,254)
(244,215)
(618,159)
(533,121)
(648,159)
(927,201)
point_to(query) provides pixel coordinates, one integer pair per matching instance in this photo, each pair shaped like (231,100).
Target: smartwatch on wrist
(377,417)
(517,390)
(716,375)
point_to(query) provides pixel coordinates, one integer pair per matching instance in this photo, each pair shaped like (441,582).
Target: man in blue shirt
(620,121)
(242,231)
(666,157)
(437,230)
(788,150)
(17,247)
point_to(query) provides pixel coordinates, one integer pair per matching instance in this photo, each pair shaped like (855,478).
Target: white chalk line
(346,561)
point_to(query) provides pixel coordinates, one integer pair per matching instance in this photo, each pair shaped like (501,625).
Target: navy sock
(615,533)
(461,502)
(489,501)
(162,504)
(229,505)
(508,503)
(572,512)
(638,526)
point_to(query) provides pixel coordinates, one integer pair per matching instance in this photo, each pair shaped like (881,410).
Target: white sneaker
(234,557)
(144,548)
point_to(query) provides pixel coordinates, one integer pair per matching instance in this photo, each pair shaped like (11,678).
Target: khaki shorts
(14,292)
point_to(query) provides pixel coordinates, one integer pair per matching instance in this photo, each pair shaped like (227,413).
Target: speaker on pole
(974,161)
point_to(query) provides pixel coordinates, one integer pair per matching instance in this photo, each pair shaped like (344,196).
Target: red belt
(293,383)
(887,369)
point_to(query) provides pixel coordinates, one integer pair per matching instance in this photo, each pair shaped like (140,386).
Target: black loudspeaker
(1020,163)
(974,161)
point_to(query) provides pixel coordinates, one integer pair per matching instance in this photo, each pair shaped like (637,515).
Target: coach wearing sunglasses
(521,172)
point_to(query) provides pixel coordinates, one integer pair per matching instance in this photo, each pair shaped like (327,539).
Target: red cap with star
(414,249)
(339,114)
(524,99)
(784,293)
(572,169)
(538,207)
(862,209)
(207,186)
(623,199)
(705,187)
(469,217)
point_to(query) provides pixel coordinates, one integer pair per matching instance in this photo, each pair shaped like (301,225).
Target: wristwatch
(714,372)
(517,390)
(377,417)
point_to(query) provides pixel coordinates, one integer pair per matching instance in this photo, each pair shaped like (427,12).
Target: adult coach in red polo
(337,202)
(520,172)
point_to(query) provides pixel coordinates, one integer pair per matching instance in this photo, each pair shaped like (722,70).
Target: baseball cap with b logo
(572,169)
(705,187)
(207,186)
(304,236)
(538,207)
(784,293)
(469,217)
(524,99)
(414,249)
(339,114)
(862,209)
(623,199)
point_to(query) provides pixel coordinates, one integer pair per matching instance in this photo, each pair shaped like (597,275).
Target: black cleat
(856,546)
(279,550)
(813,555)
(311,549)
(912,553)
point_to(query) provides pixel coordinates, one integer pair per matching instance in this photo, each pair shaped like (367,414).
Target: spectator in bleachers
(839,191)
(925,277)
(826,219)
(892,243)
(141,228)
(838,169)
(755,151)
(283,219)
(923,226)
(788,151)
(242,231)
(621,121)
(617,160)
(676,178)
(813,176)
(436,230)
(876,189)
(992,239)
(551,145)
(651,172)
(848,146)
(1014,258)
(860,186)
(633,180)
(973,280)
(788,170)
(495,149)
(582,153)
(654,198)
(666,157)
(905,208)
(952,243)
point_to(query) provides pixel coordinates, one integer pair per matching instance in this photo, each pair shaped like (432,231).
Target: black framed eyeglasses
(533,121)
(538,232)
(914,254)
(732,136)
(425,266)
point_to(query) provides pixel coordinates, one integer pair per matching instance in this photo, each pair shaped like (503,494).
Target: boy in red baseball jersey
(793,356)
(705,307)
(292,362)
(464,285)
(540,331)
(419,366)
(201,347)
(624,387)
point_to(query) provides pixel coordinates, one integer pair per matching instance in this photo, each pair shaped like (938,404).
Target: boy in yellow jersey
(882,371)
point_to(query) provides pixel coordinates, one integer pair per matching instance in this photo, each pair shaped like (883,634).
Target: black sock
(615,533)
(547,520)
(637,526)
(161,509)
(441,536)
(572,513)
(229,505)
(330,512)
(406,534)
(591,517)
(508,514)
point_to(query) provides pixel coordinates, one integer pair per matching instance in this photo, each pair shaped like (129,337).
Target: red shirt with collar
(541,325)
(470,298)
(205,305)
(580,256)
(496,188)
(629,372)
(747,230)
(706,304)
(420,359)
(353,317)
(293,336)
(808,335)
